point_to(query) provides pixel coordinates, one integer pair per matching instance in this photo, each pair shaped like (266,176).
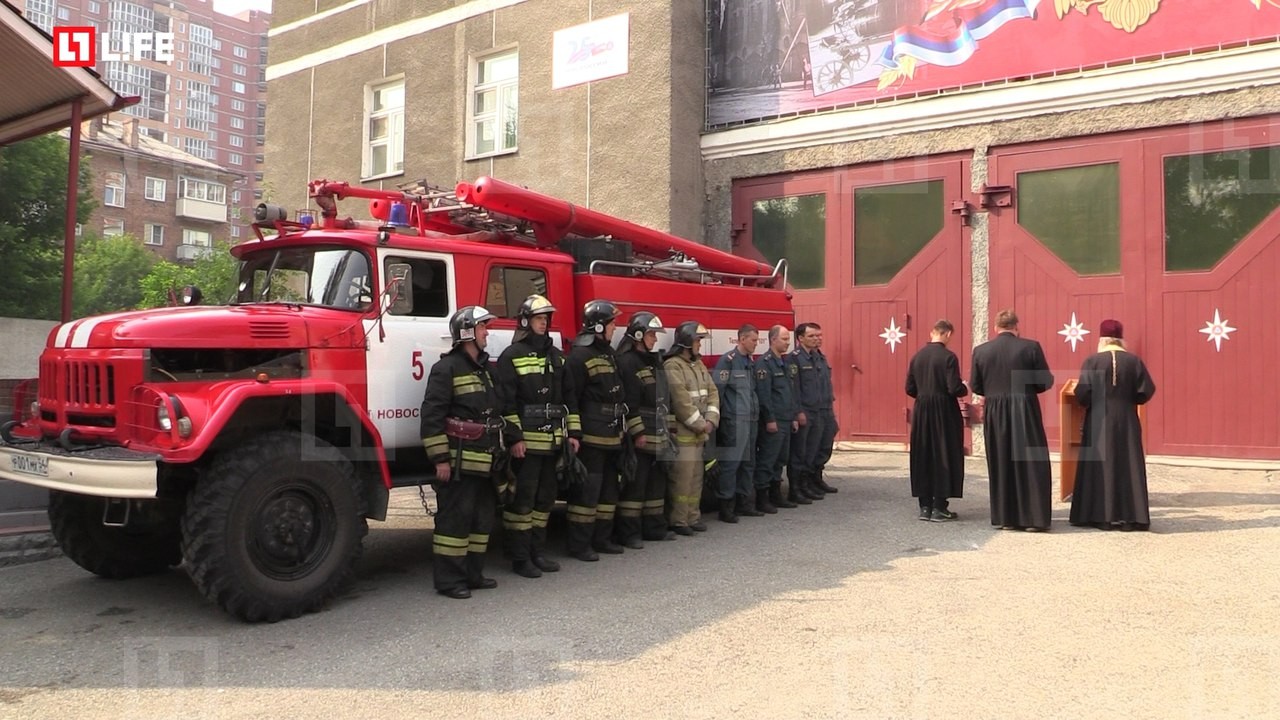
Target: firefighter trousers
(463,520)
(812,443)
(592,505)
(772,452)
(524,519)
(642,504)
(686,485)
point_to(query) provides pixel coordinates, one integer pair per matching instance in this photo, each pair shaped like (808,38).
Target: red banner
(776,57)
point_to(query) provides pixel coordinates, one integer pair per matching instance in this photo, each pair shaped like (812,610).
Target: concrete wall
(21,506)
(627,145)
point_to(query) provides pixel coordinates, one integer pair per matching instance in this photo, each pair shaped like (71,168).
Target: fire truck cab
(251,441)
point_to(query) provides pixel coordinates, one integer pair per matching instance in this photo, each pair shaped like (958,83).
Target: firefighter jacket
(591,375)
(530,379)
(694,400)
(775,387)
(737,388)
(813,379)
(461,389)
(645,383)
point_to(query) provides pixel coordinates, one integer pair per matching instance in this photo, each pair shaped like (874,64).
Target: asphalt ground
(849,608)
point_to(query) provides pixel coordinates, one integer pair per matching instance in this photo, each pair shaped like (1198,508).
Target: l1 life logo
(78,46)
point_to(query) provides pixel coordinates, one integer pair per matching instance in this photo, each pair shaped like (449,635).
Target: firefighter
(695,412)
(591,374)
(777,421)
(736,436)
(811,444)
(462,433)
(530,377)
(642,509)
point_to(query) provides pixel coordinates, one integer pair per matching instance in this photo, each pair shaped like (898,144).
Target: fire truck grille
(79,385)
(268,330)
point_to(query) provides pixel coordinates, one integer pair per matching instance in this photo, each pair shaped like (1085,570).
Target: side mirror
(399,290)
(190,295)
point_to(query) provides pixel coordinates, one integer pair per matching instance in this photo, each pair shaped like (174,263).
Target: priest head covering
(1111,329)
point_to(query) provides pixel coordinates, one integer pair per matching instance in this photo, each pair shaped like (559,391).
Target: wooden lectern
(1070,433)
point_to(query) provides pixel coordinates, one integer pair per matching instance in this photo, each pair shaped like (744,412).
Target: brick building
(174,203)
(211,100)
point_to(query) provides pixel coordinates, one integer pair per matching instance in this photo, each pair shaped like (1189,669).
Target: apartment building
(175,203)
(210,101)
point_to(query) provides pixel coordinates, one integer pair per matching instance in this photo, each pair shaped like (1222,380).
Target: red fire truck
(251,441)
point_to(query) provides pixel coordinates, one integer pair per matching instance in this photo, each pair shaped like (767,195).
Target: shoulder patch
(762,374)
(724,375)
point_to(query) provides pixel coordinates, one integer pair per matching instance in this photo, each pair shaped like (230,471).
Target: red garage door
(876,257)
(1174,232)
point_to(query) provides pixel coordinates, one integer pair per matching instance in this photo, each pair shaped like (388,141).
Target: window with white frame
(156,188)
(235,140)
(194,189)
(114,194)
(235,231)
(237,86)
(237,105)
(237,123)
(237,69)
(384,129)
(492,107)
(64,14)
(112,227)
(239,52)
(235,159)
(94,7)
(201,58)
(193,146)
(154,235)
(235,197)
(41,13)
(197,237)
(79,229)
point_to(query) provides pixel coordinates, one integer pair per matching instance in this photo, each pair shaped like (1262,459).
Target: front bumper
(103,471)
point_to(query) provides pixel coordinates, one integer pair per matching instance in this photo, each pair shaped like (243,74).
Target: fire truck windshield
(328,276)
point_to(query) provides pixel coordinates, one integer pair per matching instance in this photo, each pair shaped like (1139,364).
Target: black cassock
(1111,474)
(1009,372)
(937,429)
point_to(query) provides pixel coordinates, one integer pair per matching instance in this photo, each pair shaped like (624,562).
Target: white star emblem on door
(893,335)
(1218,330)
(1073,332)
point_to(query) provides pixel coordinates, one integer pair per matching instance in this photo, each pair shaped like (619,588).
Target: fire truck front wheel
(273,529)
(148,544)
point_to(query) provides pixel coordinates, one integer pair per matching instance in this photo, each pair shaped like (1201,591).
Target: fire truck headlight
(35,410)
(184,427)
(162,417)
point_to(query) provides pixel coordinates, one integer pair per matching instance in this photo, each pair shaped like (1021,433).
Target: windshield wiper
(266,282)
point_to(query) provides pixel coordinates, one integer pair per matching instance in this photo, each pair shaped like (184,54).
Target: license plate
(29,464)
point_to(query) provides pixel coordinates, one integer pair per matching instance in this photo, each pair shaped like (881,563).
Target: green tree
(109,273)
(33,177)
(215,274)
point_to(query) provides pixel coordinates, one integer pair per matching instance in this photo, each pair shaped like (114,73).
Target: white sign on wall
(591,51)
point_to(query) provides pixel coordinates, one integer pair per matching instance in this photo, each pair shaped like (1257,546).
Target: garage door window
(794,228)
(891,223)
(1213,200)
(1075,212)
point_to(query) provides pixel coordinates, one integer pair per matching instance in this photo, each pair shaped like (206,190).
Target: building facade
(176,204)
(210,101)
(913,160)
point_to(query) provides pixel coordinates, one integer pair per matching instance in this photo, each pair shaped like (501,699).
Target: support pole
(73,195)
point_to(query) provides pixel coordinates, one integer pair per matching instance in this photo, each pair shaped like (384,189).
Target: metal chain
(426,504)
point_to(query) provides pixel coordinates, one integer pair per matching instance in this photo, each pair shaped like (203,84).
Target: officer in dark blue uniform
(811,445)
(774,389)
(736,438)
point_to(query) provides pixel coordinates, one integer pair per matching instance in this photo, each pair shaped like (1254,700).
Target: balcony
(193,252)
(202,210)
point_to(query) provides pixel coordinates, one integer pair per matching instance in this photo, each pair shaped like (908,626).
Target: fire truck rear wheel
(274,528)
(111,552)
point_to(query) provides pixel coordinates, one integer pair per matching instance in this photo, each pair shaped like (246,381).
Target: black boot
(794,493)
(762,502)
(746,508)
(726,511)
(822,484)
(809,489)
(544,564)
(526,568)
(777,498)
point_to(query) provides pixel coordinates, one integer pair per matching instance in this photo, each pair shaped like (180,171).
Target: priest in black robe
(937,428)
(1111,472)
(1010,372)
